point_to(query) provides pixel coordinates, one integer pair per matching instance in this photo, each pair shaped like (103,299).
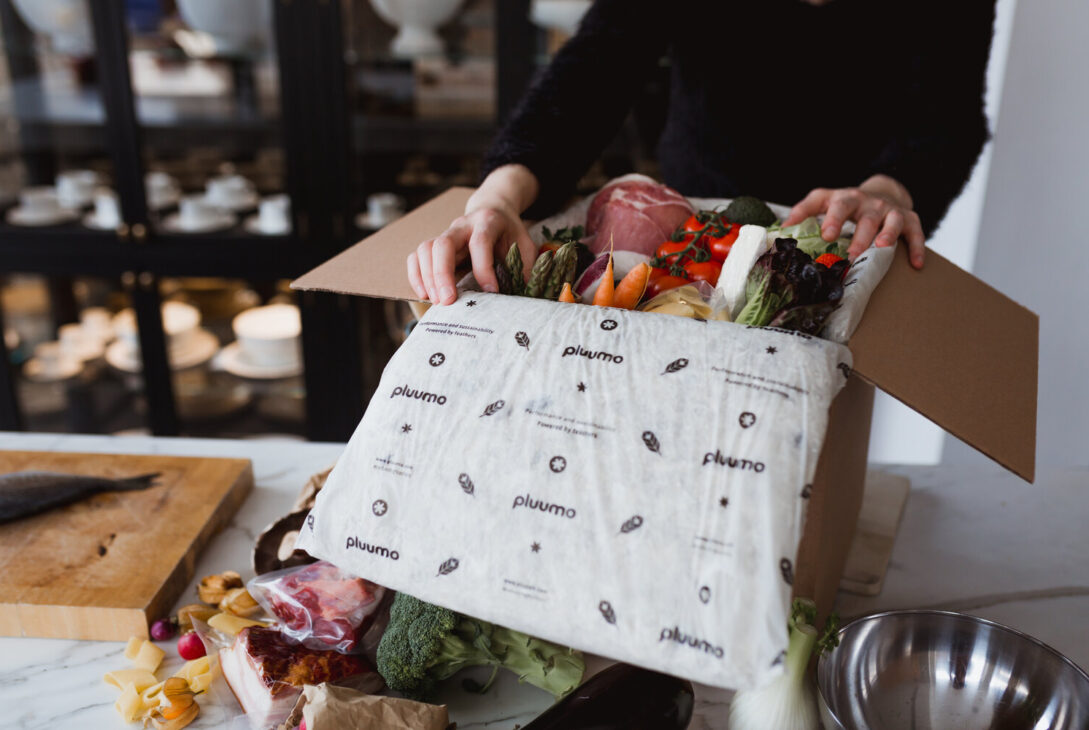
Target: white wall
(1033,240)
(900,435)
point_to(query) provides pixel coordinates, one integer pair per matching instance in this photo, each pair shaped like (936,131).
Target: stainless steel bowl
(935,669)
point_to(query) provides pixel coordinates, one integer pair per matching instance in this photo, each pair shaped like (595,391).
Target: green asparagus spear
(514,267)
(538,277)
(563,255)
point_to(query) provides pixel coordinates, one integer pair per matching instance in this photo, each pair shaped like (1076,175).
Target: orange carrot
(567,295)
(603,297)
(630,289)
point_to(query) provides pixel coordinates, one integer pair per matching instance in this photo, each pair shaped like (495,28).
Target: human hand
(880,207)
(491,224)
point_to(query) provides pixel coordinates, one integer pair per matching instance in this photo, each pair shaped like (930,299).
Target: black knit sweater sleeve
(943,126)
(577,105)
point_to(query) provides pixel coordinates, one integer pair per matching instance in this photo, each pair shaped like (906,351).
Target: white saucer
(363,220)
(253,225)
(232,359)
(69,367)
(18,217)
(126,359)
(248,201)
(91,221)
(172,224)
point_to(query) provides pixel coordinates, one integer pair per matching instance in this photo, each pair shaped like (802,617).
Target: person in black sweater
(862,110)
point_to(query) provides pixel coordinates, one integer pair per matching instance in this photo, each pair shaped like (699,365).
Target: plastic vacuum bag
(319,605)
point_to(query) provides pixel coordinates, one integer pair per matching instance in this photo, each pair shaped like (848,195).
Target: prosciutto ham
(266,672)
(634,213)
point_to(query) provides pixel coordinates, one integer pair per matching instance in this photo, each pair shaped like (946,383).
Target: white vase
(66,22)
(416,21)
(236,26)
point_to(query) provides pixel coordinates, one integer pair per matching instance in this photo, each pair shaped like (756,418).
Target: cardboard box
(939,340)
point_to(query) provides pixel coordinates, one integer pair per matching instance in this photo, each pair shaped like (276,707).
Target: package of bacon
(267,670)
(319,605)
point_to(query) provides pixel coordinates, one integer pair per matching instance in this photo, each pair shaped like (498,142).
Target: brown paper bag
(328,707)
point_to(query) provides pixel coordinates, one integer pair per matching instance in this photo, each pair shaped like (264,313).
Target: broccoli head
(425,644)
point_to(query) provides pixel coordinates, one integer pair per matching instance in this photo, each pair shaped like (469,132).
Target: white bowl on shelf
(416,22)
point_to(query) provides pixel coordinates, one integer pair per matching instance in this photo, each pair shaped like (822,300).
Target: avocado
(747,210)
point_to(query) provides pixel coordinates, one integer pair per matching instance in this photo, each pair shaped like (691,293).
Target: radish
(191,647)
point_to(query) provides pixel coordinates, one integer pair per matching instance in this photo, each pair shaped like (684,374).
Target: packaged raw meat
(319,605)
(266,672)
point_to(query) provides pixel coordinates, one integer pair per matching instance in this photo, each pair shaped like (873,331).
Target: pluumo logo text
(406,392)
(717,457)
(578,351)
(384,552)
(678,636)
(552,509)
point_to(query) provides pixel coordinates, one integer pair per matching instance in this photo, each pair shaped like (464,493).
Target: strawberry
(827,259)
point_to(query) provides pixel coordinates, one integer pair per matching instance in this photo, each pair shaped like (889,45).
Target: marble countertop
(973,539)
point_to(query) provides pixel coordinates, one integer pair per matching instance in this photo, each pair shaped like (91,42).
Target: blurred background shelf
(323,103)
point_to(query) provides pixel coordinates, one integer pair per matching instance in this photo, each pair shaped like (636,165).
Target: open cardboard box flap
(939,340)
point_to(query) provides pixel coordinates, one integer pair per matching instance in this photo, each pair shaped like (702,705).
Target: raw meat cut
(320,605)
(266,672)
(636,214)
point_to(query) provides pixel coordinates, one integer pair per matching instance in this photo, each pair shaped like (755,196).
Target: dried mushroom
(213,588)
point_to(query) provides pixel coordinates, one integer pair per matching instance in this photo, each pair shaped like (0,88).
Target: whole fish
(24,493)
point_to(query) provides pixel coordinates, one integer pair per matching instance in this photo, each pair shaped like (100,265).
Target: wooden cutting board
(106,566)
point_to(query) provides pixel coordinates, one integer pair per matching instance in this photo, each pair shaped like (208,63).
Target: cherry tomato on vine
(670,250)
(664,283)
(691,228)
(720,247)
(705,271)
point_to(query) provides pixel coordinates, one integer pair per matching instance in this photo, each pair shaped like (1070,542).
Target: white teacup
(107,211)
(269,336)
(76,188)
(383,208)
(161,189)
(229,191)
(77,343)
(196,212)
(274,214)
(39,203)
(95,322)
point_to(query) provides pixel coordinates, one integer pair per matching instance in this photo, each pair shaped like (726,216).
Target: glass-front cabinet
(167,167)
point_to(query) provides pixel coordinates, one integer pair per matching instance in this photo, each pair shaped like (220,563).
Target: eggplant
(622,697)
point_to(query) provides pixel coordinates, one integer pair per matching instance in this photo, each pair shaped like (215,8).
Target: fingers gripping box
(514,454)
